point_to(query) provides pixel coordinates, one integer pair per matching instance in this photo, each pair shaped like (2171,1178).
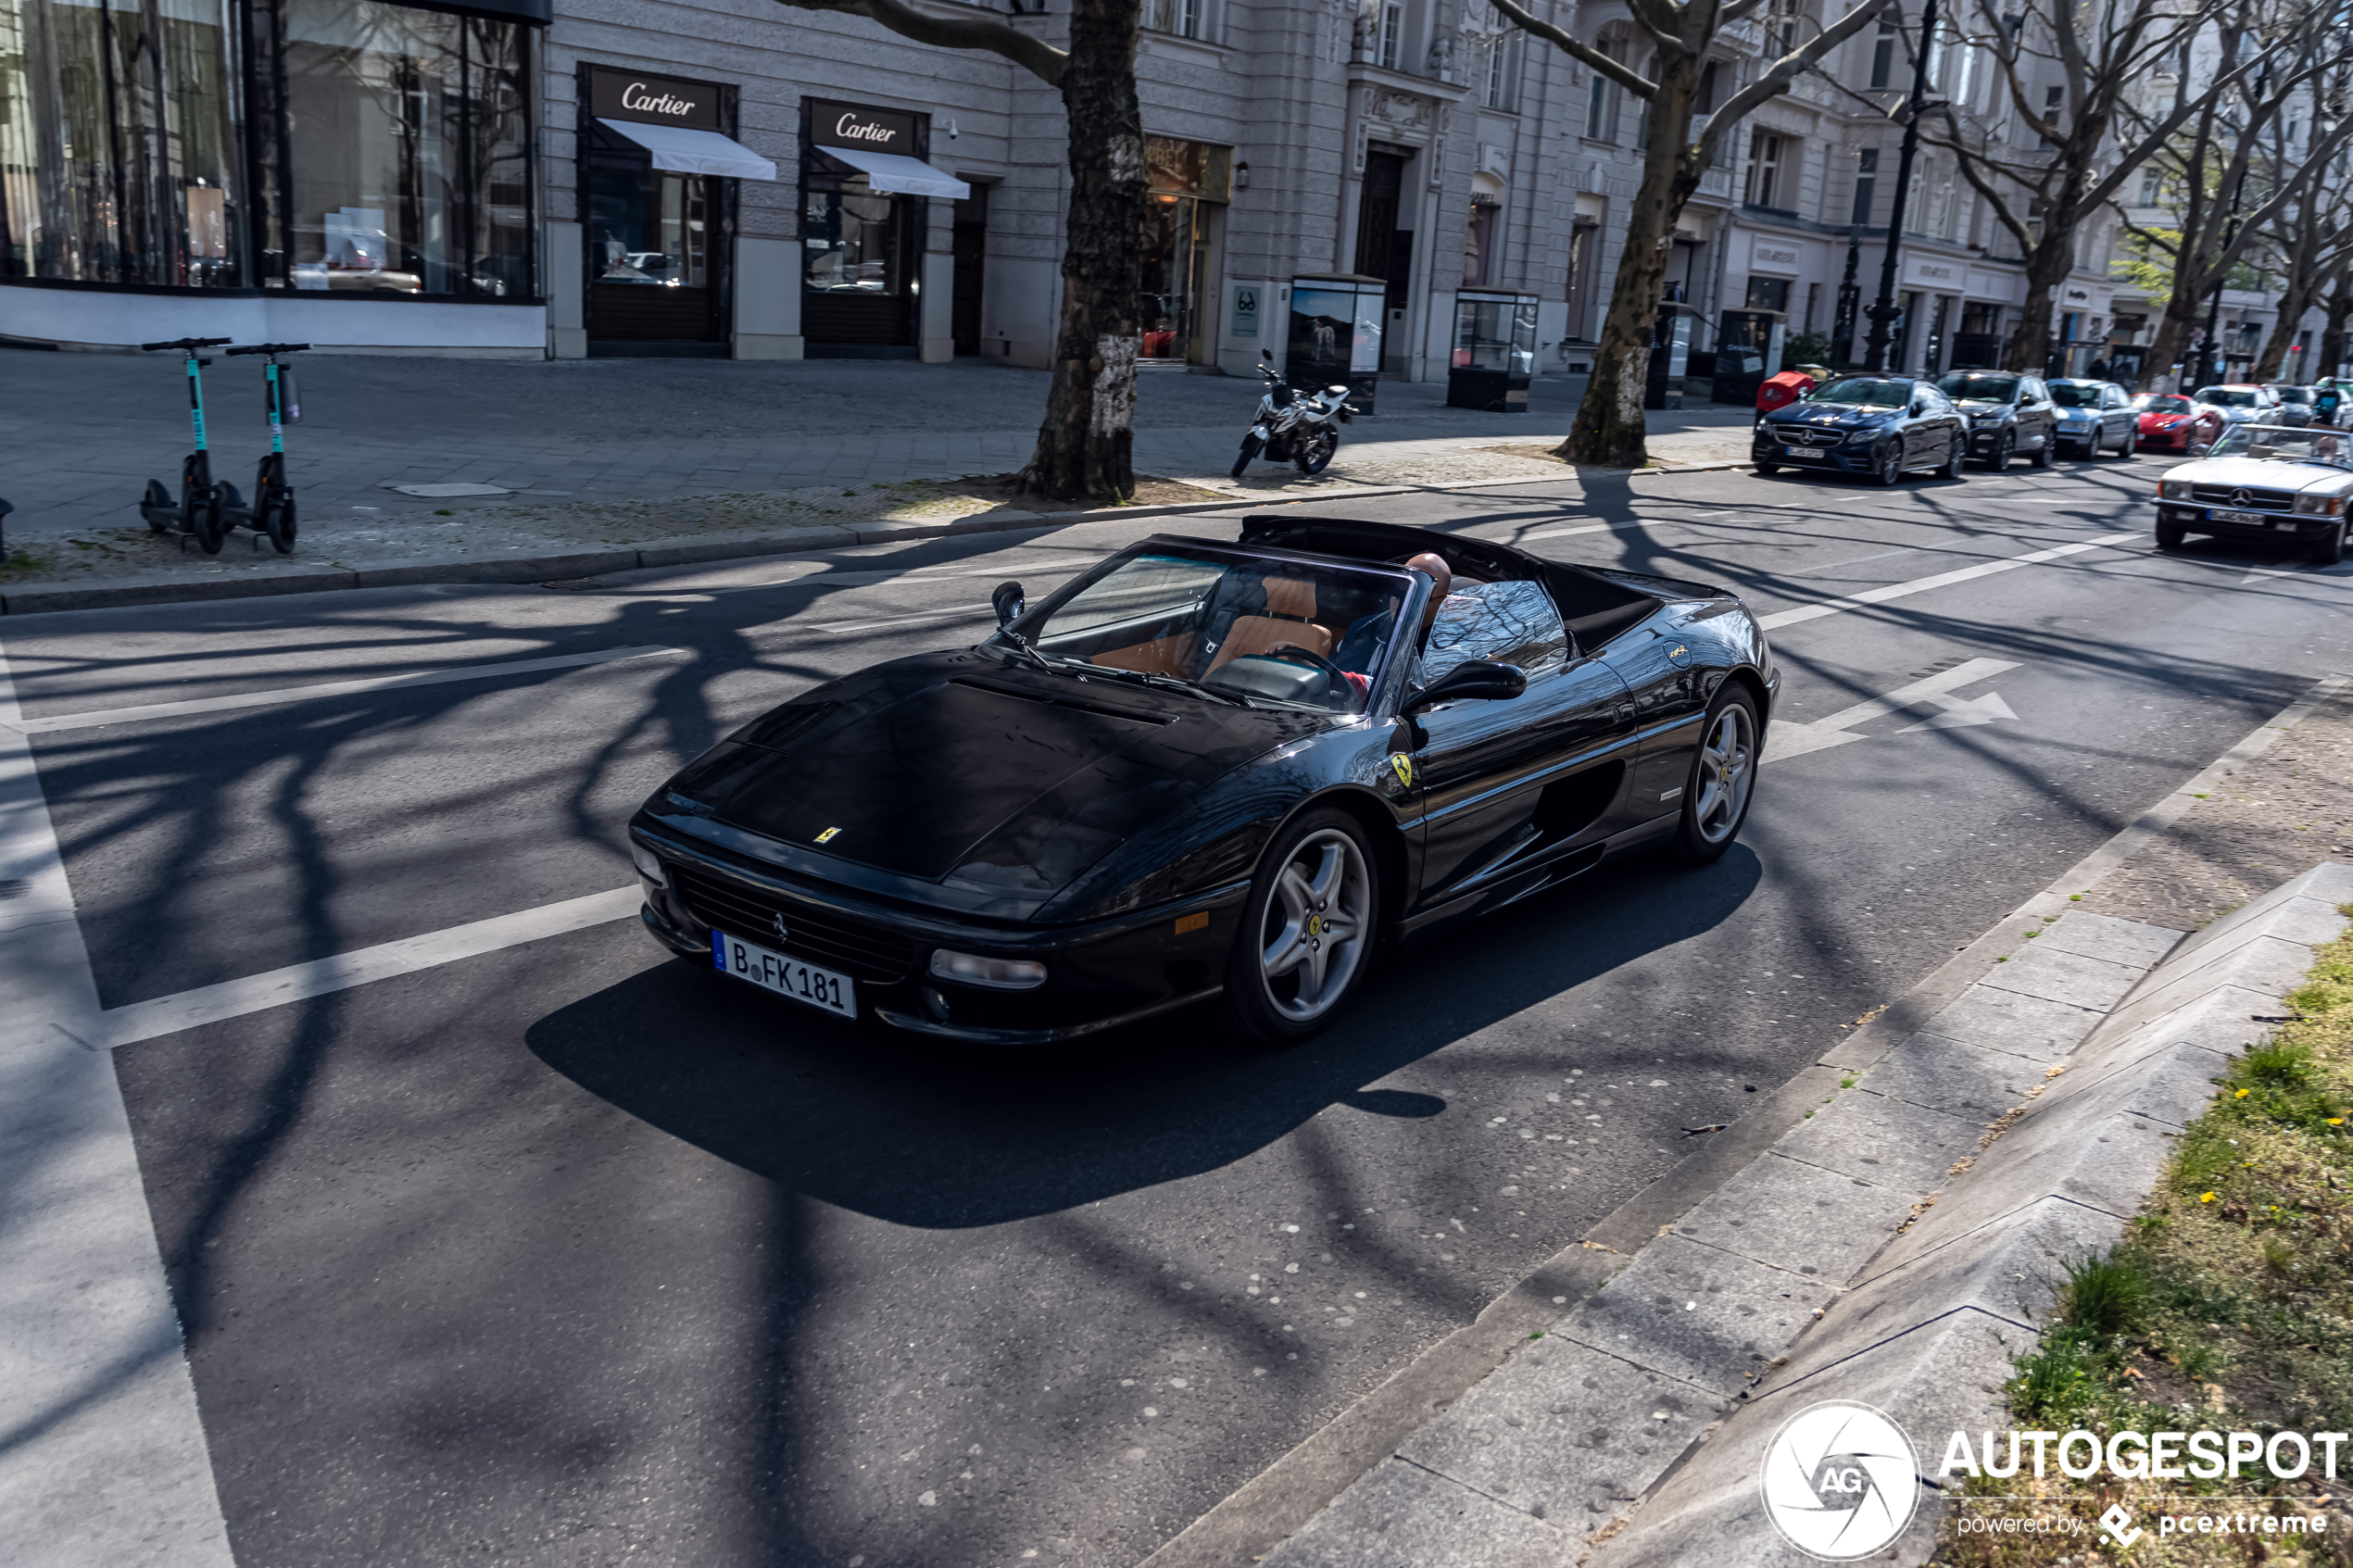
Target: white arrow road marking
(1961,711)
(102,1453)
(1785,741)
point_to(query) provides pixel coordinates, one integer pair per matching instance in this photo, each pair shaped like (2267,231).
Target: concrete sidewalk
(684,458)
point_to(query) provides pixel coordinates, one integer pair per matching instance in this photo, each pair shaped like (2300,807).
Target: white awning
(684,151)
(908,176)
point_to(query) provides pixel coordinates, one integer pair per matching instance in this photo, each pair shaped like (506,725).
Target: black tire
(1708,822)
(1251,446)
(1954,455)
(205,522)
(2003,450)
(1316,451)
(278,521)
(158,508)
(1276,1009)
(2040,456)
(2329,548)
(2131,447)
(1887,468)
(2171,535)
(1768,469)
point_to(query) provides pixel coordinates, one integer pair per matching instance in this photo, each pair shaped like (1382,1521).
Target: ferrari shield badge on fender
(827,835)
(1403,766)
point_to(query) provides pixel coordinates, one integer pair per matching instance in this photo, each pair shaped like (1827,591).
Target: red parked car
(2170,422)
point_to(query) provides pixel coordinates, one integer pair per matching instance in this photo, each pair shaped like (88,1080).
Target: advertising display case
(1670,357)
(1494,353)
(1748,348)
(1335,334)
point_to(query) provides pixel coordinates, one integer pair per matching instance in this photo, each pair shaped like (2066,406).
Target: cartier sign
(652,100)
(851,125)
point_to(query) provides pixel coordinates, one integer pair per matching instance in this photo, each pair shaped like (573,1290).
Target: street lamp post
(1882,311)
(1849,297)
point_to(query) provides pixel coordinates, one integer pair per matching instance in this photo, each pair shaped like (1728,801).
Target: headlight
(997,974)
(2172,489)
(648,864)
(1863,436)
(1986,419)
(2320,506)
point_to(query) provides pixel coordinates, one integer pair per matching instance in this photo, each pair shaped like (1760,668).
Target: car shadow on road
(934,1135)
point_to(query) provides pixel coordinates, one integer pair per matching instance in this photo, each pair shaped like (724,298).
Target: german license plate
(837,994)
(2256,520)
(1806,454)
(2285,525)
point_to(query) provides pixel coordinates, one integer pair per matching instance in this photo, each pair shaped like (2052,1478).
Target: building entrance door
(652,253)
(969,250)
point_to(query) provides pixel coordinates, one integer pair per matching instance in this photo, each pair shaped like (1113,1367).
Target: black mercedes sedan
(1205,770)
(2007,414)
(1883,426)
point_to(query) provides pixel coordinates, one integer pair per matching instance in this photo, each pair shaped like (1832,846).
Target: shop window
(1768,294)
(117,150)
(407,156)
(1187,180)
(850,242)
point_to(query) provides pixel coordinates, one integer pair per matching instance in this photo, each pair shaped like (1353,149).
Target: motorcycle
(1294,427)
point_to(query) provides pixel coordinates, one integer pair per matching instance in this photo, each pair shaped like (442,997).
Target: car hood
(1838,416)
(2262,473)
(952,769)
(1979,404)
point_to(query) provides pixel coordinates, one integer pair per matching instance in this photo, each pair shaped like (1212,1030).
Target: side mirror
(1007,602)
(1475,678)
(1267,354)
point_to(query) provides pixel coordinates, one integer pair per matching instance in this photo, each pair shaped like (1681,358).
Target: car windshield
(2068,396)
(2161,403)
(1228,624)
(2294,394)
(1867,392)
(2229,396)
(2281,445)
(1979,388)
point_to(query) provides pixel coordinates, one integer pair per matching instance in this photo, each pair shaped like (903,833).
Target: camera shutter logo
(1840,1480)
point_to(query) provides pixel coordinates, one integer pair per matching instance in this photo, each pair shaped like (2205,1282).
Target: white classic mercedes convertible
(2263,482)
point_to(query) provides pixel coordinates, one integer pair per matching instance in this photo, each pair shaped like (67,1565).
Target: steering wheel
(1333,672)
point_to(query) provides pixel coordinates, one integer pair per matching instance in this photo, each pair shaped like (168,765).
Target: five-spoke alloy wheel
(1307,929)
(1723,776)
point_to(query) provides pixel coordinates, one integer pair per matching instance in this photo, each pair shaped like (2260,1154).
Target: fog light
(997,974)
(648,864)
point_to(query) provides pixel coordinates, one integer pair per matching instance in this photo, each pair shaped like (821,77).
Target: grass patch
(2228,1305)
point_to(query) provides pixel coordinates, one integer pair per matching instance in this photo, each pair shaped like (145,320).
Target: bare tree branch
(980,31)
(1592,58)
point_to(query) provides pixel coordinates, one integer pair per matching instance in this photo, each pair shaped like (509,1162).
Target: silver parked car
(2094,416)
(2268,484)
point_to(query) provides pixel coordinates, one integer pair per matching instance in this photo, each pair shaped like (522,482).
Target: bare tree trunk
(2046,264)
(2340,309)
(1608,430)
(1085,447)
(2174,331)
(2292,305)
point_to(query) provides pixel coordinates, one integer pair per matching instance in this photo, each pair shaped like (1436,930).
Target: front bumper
(1100,975)
(2179,439)
(1840,458)
(2289,527)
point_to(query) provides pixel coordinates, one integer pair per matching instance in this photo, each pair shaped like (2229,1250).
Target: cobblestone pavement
(2278,817)
(614,452)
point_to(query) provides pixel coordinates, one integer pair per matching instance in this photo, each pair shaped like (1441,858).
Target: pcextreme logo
(1840,1480)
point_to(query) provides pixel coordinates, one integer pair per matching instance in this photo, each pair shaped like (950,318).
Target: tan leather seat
(1290,618)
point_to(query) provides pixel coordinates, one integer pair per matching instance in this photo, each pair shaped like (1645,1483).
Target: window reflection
(1507,623)
(850,242)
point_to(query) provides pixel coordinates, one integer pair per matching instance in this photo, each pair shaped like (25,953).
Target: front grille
(2255,501)
(859,948)
(1806,435)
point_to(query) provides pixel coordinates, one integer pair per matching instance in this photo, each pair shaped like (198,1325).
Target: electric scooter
(273,503)
(197,514)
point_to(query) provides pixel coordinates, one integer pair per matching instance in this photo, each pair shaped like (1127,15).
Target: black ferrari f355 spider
(1203,769)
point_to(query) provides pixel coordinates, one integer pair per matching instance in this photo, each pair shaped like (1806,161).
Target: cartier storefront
(865,210)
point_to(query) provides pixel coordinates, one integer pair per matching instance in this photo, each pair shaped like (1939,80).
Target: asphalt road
(567,1253)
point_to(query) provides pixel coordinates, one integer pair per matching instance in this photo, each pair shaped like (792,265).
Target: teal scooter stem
(197,514)
(273,502)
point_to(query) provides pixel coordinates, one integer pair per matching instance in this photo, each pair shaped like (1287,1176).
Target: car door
(2037,418)
(1908,428)
(1500,781)
(2116,417)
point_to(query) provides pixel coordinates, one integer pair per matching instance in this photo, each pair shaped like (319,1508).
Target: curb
(570,565)
(1347,1486)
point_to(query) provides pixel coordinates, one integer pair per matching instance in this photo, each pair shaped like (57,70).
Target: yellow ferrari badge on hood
(1403,766)
(827,835)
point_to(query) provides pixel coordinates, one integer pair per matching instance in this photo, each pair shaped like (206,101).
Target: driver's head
(1442,580)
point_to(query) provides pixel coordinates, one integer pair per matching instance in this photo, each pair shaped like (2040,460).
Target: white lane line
(900,620)
(1780,619)
(102,1452)
(1876,554)
(234,999)
(1610,527)
(1785,741)
(105,716)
